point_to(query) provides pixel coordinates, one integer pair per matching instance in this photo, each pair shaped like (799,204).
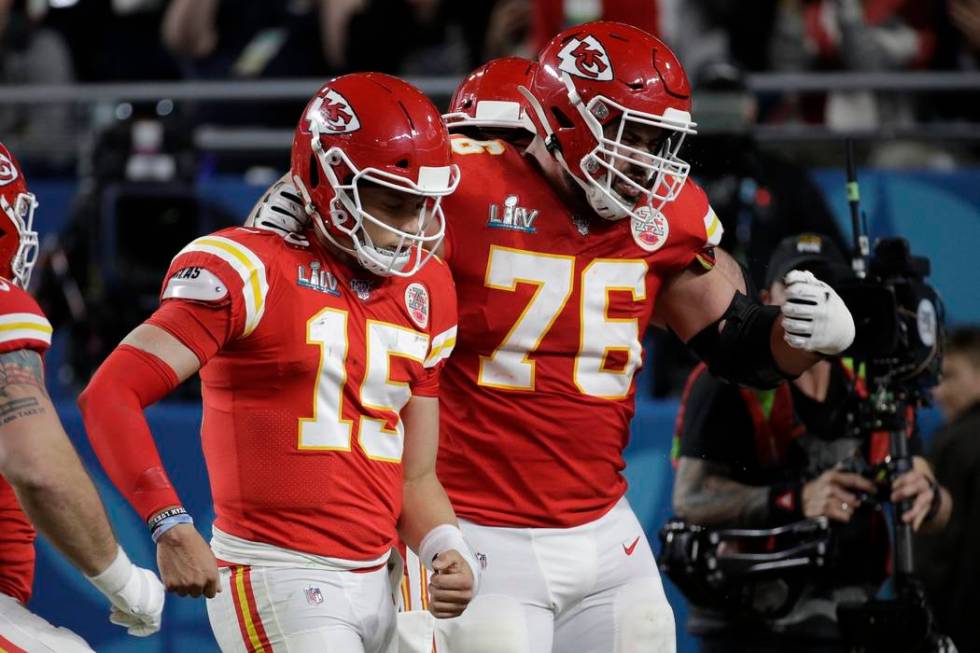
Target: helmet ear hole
(314,172)
(402,163)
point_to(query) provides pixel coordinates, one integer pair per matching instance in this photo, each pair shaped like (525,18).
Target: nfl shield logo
(314,596)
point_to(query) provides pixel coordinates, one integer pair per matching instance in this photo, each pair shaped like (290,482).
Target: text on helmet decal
(586,58)
(8,171)
(331,113)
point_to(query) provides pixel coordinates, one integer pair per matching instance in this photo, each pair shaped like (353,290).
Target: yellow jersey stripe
(440,352)
(30,326)
(248,266)
(712,227)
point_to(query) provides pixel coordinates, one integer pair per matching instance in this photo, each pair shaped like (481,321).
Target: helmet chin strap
(603,205)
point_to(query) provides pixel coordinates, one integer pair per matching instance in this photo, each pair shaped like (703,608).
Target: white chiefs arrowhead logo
(332,114)
(8,171)
(586,58)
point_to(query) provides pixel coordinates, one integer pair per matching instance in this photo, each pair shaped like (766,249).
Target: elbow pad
(741,352)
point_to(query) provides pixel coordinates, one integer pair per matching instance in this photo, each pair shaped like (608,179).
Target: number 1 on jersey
(327,430)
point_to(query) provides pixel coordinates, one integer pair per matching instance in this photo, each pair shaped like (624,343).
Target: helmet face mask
(349,216)
(371,131)
(612,159)
(597,83)
(18,240)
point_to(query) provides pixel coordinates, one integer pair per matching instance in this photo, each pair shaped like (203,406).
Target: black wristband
(153,521)
(786,502)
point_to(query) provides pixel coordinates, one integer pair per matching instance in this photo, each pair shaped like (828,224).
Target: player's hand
(833,494)
(280,210)
(186,563)
(450,586)
(136,595)
(814,316)
(916,486)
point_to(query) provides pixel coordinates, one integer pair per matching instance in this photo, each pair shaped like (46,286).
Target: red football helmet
(488,96)
(373,128)
(18,242)
(593,75)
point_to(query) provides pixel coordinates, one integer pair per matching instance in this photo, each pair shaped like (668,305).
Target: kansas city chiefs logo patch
(650,228)
(417,303)
(332,114)
(8,172)
(586,58)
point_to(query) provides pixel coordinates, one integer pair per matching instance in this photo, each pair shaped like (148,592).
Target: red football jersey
(537,399)
(301,428)
(22,326)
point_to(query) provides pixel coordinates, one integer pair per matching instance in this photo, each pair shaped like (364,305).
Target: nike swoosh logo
(628,550)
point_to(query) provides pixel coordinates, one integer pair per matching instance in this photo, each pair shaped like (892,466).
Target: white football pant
(593,588)
(279,609)
(22,630)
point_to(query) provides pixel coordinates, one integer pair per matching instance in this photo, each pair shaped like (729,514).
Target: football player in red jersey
(319,357)
(562,257)
(40,473)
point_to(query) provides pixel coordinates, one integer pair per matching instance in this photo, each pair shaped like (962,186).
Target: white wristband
(115,576)
(443,538)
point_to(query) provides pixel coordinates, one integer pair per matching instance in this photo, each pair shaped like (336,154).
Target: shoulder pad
(195,283)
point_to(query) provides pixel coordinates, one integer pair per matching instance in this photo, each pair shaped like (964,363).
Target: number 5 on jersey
(327,430)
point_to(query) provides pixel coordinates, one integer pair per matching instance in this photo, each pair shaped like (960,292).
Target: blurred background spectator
(947,561)
(100,276)
(33,53)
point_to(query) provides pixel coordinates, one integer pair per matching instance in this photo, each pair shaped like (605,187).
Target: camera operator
(947,561)
(762,459)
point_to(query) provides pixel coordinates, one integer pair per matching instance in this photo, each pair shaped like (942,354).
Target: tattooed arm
(705,495)
(39,462)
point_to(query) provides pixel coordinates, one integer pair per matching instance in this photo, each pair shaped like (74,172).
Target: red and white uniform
(537,399)
(23,326)
(538,396)
(301,428)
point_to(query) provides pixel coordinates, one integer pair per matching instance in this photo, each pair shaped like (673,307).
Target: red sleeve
(202,328)
(112,406)
(442,334)
(22,322)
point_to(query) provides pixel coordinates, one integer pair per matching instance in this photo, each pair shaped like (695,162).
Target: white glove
(136,595)
(814,316)
(280,210)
